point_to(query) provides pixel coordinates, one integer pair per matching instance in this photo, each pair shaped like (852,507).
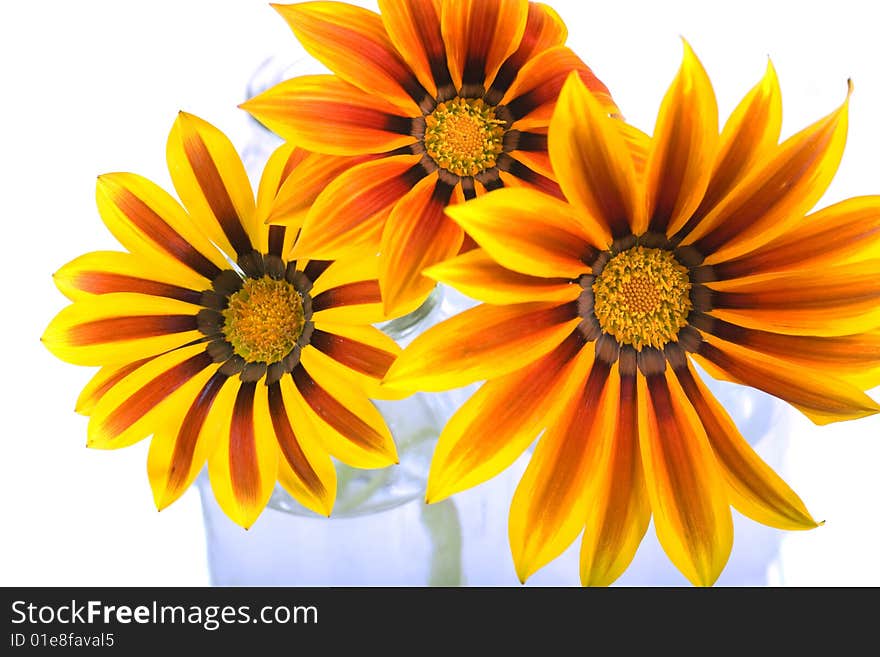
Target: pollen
(264,319)
(464,136)
(642,297)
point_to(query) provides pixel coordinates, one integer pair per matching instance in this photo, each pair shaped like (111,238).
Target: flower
(218,346)
(594,309)
(438,102)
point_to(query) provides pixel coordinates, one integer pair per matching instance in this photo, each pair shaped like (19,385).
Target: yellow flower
(593,310)
(218,345)
(440,100)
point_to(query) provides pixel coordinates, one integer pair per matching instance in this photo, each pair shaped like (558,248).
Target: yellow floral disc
(264,319)
(463,136)
(642,297)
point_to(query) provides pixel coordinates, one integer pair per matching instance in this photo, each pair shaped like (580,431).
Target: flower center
(642,297)
(463,136)
(264,319)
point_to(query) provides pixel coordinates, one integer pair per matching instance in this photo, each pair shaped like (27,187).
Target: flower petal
(304,467)
(151,224)
(142,402)
(751,132)
(103,380)
(351,303)
(544,29)
(413,26)
(479,35)
(593,163)
(849,230)
(180,446)
(531,98)
(481,343)
(618,510)
(549,506)
(492,428)
(755,490)
(289,203)
(211,181)
(774,197)
(530,233)
(683,149)
(842,301)
(852,358)
(243,467)
(118,328)
(360,354)
(352,42)
(819,396)
(416,235)
(104,272)
(687,492)
(479,276)
(351,427)
(324,114)
(351,211)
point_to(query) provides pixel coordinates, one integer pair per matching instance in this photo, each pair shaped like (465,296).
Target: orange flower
(445,99)
(214,341)
(593,310)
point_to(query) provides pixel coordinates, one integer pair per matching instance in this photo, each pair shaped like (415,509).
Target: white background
(93,86)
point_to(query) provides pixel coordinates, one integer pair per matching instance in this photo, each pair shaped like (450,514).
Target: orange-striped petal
(413,26)
(531,99)
(352,429)
(324,114)
(845,231)
(755,490)
(683,149)
(416,235)
(105,272)
(774,197)
(842,301)
(687,492)
(479,276)
(243,466)
(818,395)
(142,402)
(304,466)
(618,510)
(593,164)
(211,181)
(103,380)
(853,358)
(481,343)
(152,225)
(751,132)
(550,504)
(118,328)
(499,421)
(479,35)
(351,211)
(180,446)
(352,42)
(529,233)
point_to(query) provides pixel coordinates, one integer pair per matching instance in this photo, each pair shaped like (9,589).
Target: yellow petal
(243,466)
(687,492)
(481,343)
(593,163)
(211,181)
(479,276)
(683,149)
(549,507)
(494,426)
(101,382)
(618,510)
(755,490)
(529,232)
(413,26)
